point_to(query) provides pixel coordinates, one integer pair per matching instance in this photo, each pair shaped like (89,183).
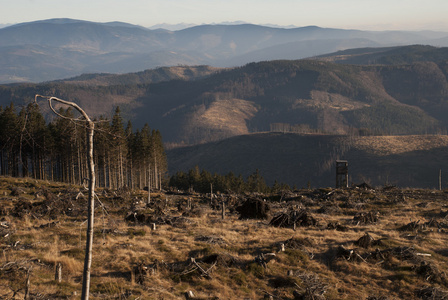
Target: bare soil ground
(357,243)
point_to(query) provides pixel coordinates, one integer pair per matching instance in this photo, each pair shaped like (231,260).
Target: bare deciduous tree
(90,125)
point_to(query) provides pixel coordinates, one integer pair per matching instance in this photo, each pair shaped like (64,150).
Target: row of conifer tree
(55,150)
(203,181)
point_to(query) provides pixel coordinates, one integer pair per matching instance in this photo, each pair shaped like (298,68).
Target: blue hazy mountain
(60,48)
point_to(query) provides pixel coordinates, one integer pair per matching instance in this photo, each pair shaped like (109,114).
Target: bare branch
(69,103)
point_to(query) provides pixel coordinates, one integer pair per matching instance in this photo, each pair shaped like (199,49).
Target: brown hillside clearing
(227,258)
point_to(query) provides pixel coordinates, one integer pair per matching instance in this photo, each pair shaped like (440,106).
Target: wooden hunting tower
(341,174)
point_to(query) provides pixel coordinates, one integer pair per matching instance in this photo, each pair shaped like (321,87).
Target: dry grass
(230,248)
(228,117)
(389,145)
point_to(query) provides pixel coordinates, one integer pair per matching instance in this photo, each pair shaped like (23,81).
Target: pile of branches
(5,230)
(22,208)
(302,244)
(190,267)
(338,226)
(140,218)
(254,208)
(421,267)
(401,253)
(264,258)
(294,218)
(366,218)
(195,212)
(428,271)
(53,206)
(412,226)
(443,214)
(431,292)
(18,273)
(141,272)
(343,253)
(312,287)
(70,205)
(366,241)
(417,226)
(16,191)
(330,209)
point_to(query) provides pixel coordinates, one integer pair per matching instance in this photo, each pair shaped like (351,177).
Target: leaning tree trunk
(91,200)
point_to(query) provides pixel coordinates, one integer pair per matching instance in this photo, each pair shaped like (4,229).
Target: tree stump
(223,213)
(189,295)
(58,273)
(27,285)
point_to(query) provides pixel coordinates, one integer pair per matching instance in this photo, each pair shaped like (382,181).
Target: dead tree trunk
(91,186)
(149,183)
(223,212)
(211,194)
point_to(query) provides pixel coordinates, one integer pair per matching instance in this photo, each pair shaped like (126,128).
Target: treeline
(31,147)
(204,182)
(295,128)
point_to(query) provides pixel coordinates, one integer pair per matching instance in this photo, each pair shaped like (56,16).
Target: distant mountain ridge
(387,55)
(61,48)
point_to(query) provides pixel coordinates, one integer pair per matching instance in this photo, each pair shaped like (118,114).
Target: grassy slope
(29,242)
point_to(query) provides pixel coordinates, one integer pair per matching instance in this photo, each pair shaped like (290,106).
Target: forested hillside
(198,105)
(301,96)
(31,147)
(387,55)
(309,160)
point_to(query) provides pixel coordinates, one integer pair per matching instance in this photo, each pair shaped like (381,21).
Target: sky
(346,14)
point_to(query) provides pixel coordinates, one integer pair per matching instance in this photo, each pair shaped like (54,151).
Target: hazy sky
(356,14)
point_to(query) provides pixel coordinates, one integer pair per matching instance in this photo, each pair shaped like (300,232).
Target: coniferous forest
(55,150)
(124,157)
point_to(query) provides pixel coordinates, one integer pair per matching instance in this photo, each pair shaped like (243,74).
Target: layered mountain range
(60,48)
